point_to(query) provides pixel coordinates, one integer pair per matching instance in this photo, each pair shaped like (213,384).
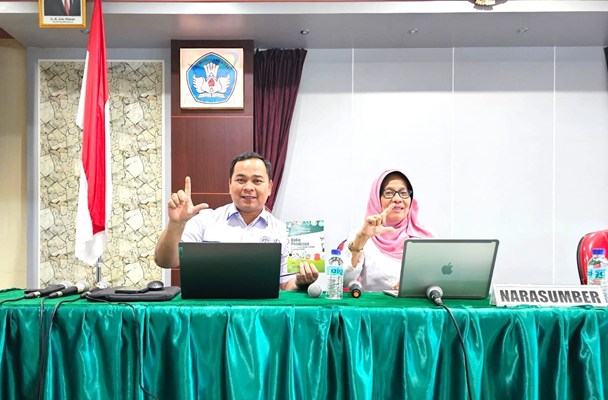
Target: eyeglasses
(389,194)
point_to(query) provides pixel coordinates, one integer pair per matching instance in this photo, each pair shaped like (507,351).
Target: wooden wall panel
(175,279)
(203,149)
(204,142)
(214,200)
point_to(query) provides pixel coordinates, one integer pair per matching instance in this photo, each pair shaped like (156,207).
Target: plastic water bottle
(335,276)
(596,270)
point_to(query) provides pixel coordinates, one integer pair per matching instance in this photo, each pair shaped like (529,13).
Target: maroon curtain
(277,76)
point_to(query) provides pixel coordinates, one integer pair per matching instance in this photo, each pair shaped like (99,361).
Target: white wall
(581,145)
(317,178)
(503,143)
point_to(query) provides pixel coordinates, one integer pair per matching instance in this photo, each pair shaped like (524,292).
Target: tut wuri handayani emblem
(211,79)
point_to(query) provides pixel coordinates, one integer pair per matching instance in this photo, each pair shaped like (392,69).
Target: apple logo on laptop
(447,269)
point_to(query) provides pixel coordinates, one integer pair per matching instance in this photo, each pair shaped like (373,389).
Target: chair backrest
(593,240)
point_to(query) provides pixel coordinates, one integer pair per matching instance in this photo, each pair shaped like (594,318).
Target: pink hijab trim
(391,243)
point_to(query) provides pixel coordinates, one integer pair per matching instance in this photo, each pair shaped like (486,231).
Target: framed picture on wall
(211,79)
(62,13)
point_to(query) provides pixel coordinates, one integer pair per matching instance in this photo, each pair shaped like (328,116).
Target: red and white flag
(95,196)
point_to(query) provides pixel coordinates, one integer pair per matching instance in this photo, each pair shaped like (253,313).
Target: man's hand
(307,275)
(181,208)
(374,224)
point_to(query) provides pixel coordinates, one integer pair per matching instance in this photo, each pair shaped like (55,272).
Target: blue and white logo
(211,79)
(265,239)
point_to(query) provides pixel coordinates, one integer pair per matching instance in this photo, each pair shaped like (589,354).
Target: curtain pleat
(277,75)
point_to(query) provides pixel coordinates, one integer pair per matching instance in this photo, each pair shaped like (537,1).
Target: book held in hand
(306,242)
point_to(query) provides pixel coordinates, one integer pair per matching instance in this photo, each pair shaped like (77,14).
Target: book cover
(306,242)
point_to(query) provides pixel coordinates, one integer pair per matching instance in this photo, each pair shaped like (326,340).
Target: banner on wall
(95,192)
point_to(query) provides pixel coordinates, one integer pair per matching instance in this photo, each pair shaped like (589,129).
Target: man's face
(249,185)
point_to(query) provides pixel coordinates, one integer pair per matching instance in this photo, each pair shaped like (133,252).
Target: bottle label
(337,271)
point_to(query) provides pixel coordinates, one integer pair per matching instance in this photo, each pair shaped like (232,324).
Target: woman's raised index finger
(388,209)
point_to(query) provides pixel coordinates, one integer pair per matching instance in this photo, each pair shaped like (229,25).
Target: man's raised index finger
(187,187)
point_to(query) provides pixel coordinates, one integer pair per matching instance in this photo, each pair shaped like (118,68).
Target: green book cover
(305,242)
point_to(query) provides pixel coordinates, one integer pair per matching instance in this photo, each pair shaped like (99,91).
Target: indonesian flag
(95,196)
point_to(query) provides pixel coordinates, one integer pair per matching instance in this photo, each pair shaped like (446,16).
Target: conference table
(297,347)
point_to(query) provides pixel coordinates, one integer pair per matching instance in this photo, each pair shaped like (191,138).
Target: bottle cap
(337,252)
(599,252)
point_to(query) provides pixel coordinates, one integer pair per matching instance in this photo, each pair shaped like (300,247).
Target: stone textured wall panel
(136,125)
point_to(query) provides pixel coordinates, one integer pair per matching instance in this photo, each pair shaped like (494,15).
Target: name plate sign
(547,295)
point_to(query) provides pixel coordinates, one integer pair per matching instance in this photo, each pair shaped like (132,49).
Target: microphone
(79,287)
(315,289)
(434,293)
(101,285)
(355,289)
(49,290)
(54,287)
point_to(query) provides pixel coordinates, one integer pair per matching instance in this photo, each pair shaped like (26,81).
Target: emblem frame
(201,64)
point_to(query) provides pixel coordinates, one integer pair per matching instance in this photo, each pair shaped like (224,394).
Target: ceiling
(330,25)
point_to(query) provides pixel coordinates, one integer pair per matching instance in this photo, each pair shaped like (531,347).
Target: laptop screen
(214,270)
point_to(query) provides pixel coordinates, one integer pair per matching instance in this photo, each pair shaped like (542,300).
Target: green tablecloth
(295,347)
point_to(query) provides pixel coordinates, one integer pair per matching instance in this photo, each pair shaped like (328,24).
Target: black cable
(464,350)
(44,345)
(9,290)
(40,348)
(140,364)
(6,301)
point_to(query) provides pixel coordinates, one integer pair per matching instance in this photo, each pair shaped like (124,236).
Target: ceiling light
(522,30)
(304,32)
(413,31)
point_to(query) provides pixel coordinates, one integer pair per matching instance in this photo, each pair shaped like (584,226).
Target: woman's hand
(374,224)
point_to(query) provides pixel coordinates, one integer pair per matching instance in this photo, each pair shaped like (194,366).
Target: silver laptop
(462,268)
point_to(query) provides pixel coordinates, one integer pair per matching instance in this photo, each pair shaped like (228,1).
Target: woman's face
(402,206)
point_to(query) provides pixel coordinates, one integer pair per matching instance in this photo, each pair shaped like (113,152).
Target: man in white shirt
(244,220)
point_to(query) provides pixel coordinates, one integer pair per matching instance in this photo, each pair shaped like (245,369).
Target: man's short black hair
(249,156)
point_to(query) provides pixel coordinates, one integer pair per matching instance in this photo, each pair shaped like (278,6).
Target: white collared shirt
(225,224)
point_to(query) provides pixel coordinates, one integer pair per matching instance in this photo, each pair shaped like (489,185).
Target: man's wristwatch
(353,249)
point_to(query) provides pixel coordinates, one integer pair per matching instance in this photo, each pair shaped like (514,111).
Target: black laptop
(230,270)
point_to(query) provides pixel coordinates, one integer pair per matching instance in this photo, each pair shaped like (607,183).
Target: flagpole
(98,270)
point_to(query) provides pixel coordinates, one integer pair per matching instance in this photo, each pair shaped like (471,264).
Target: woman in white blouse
(374,251)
